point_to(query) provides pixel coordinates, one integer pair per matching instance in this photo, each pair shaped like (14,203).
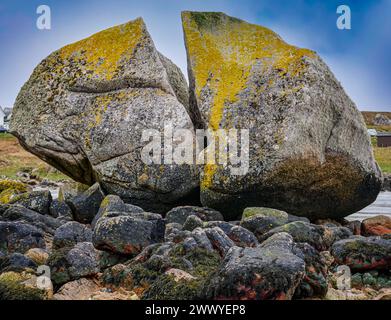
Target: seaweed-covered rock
(71,263)
(376,226)
(310,153)
(180,214)
(38,201)
(60,210)
(269,271)
(86,205)
(192,222)
(19,237)
(315,282)
(360,253)
(71,233)
(22,286)
(198,264)
(98,95)
(372,279)
(45,223)
(320,237)
(127,233)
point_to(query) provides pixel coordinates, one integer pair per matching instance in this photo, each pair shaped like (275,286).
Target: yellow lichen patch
(222,53)
(7,195)
(103,51)
(11,184)
(209,171)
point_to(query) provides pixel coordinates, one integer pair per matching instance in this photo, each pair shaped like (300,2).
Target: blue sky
(360,58)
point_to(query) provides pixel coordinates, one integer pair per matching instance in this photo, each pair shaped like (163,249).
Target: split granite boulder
(309,151)
(85,107)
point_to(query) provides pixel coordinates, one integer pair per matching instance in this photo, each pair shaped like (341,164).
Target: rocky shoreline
(116,250)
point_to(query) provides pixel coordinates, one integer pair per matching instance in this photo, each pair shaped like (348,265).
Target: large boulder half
(309,151)
(85,107)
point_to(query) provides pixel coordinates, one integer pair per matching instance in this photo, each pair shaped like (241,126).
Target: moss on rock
(13,288)
(12,184)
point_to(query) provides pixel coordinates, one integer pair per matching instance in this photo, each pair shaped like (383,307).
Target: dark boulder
(38,201)
(114,203)
(262,220)
(200,236)
(60,210)
(320,237)
(269,271)
(19,237)
(70,234)
(242,237)
(219,240)
(86,205)
(72,263)
(315,281)
(45,223)
(125,233)
(223,225)
(180,214)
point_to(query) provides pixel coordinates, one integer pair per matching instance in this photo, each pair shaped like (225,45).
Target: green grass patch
(383,158)
(6,136)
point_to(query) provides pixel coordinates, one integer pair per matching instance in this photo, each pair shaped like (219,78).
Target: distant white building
(5,117)
(2,117)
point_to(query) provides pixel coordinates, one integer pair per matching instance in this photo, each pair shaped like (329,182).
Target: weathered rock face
(309,150)
(376,226)
(127,233)
(271,271)
(19,237)
(71,263)
(85,106)
(361,253)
